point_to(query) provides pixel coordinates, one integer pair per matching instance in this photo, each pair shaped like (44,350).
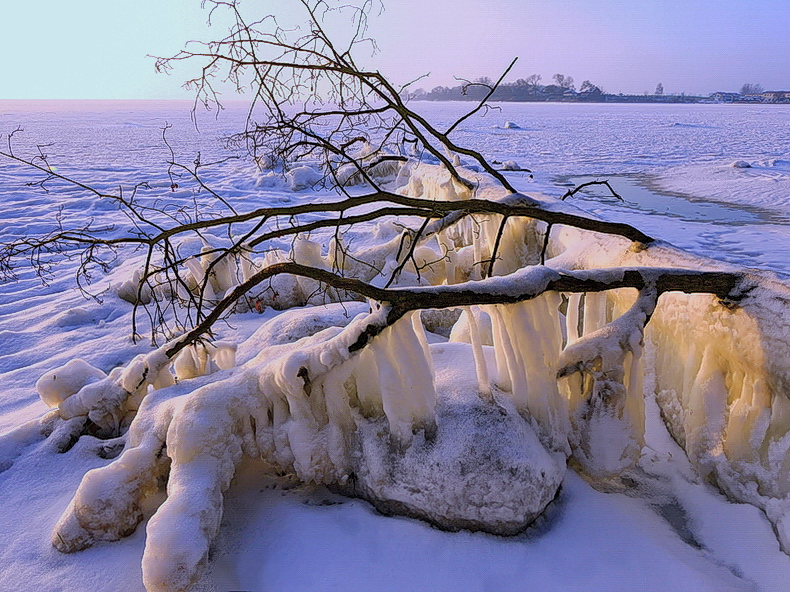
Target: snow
(589,540)
(60,383)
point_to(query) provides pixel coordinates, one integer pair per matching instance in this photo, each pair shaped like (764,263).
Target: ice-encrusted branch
(251,231)
(525,284)
(108,400)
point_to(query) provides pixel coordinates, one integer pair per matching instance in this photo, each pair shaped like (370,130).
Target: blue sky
(79,49)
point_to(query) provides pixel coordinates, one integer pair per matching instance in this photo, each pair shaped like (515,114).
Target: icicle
(534,341)
(546,318)
(248,268)
(484,384)
(515,363)
(366,376)
(572,317)
(594,311)
(500,355)
(198,270)
(517,247)
(307,252)
(417,384)
(760,417)
(224,273)
(408,397)
(430,267)
(705,419)
(340,425)
(477,246)
(224,354)
(449,263)
(635,397)
(419,331)
(195,268)
(447,250)
(691,367)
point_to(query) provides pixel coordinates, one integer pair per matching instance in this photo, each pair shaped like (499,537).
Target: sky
(98,49)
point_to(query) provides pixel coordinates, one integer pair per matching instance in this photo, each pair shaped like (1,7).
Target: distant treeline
(530,89)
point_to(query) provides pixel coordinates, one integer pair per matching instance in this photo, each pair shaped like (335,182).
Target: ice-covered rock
(317,410)
(485,470)
(511,165)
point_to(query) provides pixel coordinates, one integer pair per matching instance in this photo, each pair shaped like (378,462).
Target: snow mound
(58,384)
(303,177)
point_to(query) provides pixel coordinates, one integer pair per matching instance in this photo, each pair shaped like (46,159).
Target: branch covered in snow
(522,285)
(250,231)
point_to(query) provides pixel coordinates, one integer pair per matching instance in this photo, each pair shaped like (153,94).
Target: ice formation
(318,411)
(558,376)
(720,371)
(58,384)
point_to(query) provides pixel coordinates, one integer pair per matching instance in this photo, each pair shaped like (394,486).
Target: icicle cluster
(603,380)
(323,413)
(722,386)
(597,411)
(720,374)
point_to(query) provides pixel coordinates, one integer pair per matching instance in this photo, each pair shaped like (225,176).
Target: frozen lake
(675,161)
(673,165)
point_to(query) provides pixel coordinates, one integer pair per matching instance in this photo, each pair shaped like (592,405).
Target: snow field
(607,519)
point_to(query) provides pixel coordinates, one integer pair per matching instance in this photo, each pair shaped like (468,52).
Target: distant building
(776,96)
(726,97)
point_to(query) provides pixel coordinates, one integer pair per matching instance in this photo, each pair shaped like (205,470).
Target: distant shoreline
(665,100)
(515,94)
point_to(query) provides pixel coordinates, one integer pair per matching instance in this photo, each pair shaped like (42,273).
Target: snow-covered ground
(666,160)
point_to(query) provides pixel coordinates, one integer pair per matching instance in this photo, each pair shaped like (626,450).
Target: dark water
(638,195)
